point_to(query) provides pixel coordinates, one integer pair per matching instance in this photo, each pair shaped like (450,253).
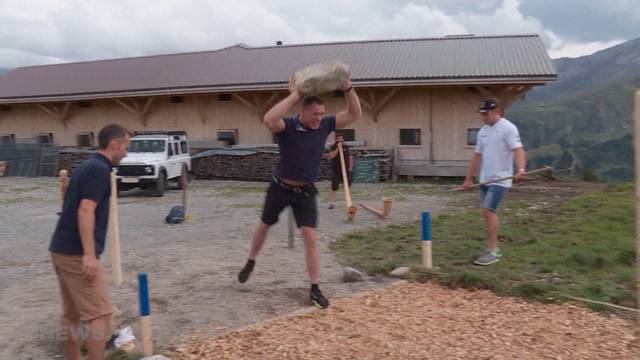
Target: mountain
(584,119)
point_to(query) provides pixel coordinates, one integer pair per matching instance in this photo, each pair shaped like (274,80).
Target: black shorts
(336,179)
(301,199)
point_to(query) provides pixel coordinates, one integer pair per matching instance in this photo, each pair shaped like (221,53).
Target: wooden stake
(637,156)
(291,227)
(184,183)
(145,315)
(351,210)
(114,233)
(64,182)
(426,241)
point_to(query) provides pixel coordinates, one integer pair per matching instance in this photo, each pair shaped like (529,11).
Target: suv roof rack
(176,132)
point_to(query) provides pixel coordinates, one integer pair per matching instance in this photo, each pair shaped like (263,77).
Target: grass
(582,246)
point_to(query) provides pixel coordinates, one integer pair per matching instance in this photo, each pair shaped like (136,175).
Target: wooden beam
(48,111)
(270,100)
(144,110)
(128,107)
(246,103)
(64,114)
(200,110)
(486,92)
(147,105)
(386,98)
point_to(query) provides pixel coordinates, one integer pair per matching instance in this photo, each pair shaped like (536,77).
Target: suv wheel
(161,184)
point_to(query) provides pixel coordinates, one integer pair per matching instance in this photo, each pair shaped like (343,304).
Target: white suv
(154,159)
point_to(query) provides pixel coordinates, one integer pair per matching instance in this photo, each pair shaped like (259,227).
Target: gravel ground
(192,267)
(427,321)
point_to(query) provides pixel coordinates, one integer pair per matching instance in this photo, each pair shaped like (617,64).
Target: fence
(27,157)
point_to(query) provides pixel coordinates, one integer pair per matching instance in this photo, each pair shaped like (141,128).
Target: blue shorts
(491,196)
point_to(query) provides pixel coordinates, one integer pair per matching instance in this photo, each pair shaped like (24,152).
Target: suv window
(176,149)
(142,146)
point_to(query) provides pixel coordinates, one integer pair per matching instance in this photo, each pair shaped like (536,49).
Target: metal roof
(447,60)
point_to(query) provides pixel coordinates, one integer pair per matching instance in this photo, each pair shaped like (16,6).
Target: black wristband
(349,89)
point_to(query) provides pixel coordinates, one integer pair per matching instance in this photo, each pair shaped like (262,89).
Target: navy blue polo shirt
(301,149)
(91,180)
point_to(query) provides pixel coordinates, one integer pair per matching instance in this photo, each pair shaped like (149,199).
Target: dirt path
(192,267)
(427,321)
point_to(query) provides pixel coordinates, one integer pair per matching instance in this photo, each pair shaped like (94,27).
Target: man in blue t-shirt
(79,240)
(301,141)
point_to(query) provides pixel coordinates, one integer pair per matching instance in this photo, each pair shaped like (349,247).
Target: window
(347,134)
(183,146)
(230,136)
(224,97)
(176,149)
(409,136)
(45,138)
(8,139)
(176,99)
(472,136)
(84,104)
(170,149)
(147,146)
(85,139)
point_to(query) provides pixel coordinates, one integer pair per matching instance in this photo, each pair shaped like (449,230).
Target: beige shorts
(82,299)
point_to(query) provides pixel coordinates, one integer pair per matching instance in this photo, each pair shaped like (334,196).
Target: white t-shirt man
(496,144)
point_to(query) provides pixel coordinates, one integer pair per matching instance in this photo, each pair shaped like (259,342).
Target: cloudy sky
(52,31)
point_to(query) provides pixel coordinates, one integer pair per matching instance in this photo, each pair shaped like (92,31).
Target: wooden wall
(442,113)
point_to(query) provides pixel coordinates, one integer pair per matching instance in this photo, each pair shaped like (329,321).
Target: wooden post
(351,210)
(426,240)
(184,180)
(637,160)
(64,182)
(114,232)
(145,315)
(291,227)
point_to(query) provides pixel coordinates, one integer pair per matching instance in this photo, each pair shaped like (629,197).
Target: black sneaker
(243,276)
(318,299)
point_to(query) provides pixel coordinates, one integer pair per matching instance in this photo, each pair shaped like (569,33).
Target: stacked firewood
(259,165)
(68,159)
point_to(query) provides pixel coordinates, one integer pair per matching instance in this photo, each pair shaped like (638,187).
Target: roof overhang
(276,86)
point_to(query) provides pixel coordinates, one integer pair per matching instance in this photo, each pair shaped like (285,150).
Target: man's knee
(100,328)
(308,233)
(488,213)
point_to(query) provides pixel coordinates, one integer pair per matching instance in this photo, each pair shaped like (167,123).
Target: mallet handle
(345,177)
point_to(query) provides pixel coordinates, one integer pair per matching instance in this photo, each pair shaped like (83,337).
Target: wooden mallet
(542,169)
(114,232)
(386,208)
(351,210)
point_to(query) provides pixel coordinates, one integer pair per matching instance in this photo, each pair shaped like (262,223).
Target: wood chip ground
(427,321)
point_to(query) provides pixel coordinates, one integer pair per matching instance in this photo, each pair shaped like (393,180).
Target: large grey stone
(352,275)
(400,272)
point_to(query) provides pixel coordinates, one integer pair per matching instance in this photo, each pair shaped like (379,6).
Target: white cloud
(42,31)
(573,49)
